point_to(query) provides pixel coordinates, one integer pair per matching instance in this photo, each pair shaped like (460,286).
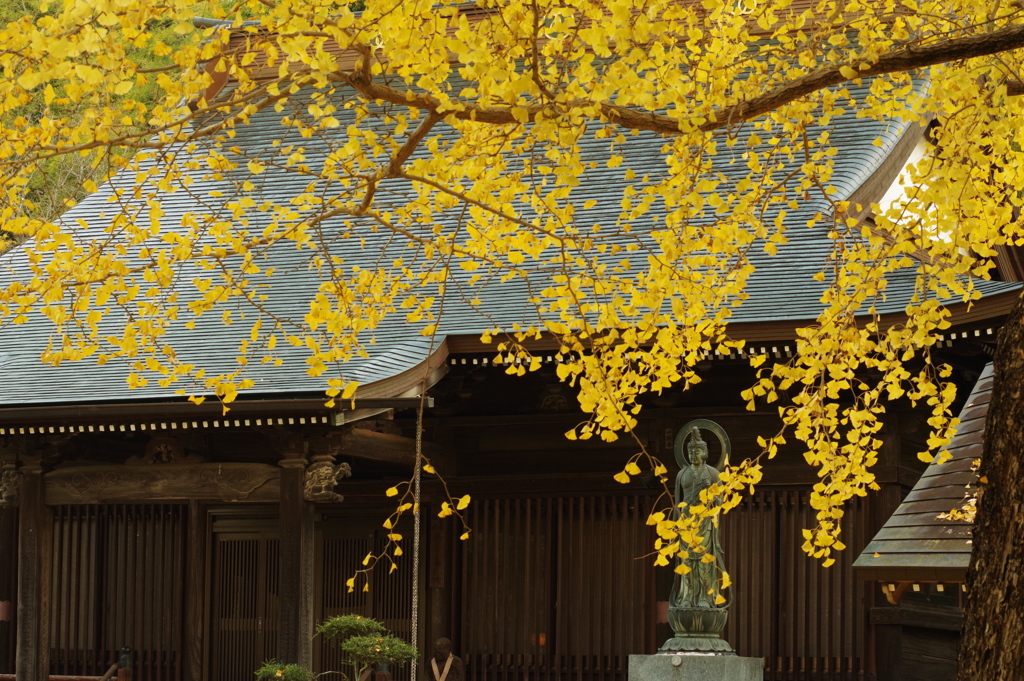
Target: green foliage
(366,651)
(57,183)
(366,641)
(339,628)
(12,10)
(273,670)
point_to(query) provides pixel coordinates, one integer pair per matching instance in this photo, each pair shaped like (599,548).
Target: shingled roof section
(782,288)
(915,545)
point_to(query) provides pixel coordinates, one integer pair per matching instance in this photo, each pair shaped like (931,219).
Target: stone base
(696,644)
(681,667)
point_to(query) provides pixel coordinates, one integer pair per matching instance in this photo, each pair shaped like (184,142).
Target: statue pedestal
(674,667)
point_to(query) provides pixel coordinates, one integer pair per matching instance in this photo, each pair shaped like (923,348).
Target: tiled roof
(781,289)
(915,544)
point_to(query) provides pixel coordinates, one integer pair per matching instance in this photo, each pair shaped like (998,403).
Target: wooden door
(341,546)
(244,603)
(339,553)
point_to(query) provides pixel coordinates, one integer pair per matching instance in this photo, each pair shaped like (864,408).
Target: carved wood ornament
(210,481)
(10,482)
(321,478)
(163,449)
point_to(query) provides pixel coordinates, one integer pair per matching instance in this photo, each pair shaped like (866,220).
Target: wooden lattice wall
(809,623)
(339,552)
(559,588)
(553,588)
(118,579)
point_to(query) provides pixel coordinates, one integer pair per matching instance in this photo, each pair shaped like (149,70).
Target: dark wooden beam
(35,528)
(249,482)
(145,412)
(296,565)
(368,444)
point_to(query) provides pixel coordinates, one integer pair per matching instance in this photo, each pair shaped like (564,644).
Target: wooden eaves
(980,316)
(915,545)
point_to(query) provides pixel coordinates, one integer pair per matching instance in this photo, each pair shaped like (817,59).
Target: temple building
(208,541)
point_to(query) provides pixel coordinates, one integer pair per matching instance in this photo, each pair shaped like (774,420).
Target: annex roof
(871,153)
(915,545)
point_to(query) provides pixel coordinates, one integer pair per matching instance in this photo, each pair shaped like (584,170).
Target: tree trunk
(991,647)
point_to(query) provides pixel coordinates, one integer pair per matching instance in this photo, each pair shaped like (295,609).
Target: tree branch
(421,131)
(630,118)
(1007,38)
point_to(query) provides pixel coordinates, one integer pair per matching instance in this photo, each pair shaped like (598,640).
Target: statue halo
(703,424)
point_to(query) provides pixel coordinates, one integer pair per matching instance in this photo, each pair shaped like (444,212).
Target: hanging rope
(416,528)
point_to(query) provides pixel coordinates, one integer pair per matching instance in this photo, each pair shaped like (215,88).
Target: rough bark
(991,648)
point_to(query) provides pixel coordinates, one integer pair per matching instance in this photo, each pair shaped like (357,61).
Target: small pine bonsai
(342,627)
(366,642)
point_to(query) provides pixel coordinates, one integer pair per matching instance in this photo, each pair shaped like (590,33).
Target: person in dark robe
(443,665)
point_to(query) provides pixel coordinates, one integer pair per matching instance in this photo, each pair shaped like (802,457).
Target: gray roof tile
(781,289)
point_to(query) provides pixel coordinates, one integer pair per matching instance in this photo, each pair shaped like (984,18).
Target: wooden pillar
(296,567)
(441,552)
(195,596)
(10,482)
(35,545)
(8,550)
(439,580)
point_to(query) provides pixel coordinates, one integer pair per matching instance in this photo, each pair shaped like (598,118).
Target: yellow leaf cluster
(509,116)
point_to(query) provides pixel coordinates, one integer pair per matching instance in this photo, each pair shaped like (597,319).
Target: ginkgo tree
(397,112)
